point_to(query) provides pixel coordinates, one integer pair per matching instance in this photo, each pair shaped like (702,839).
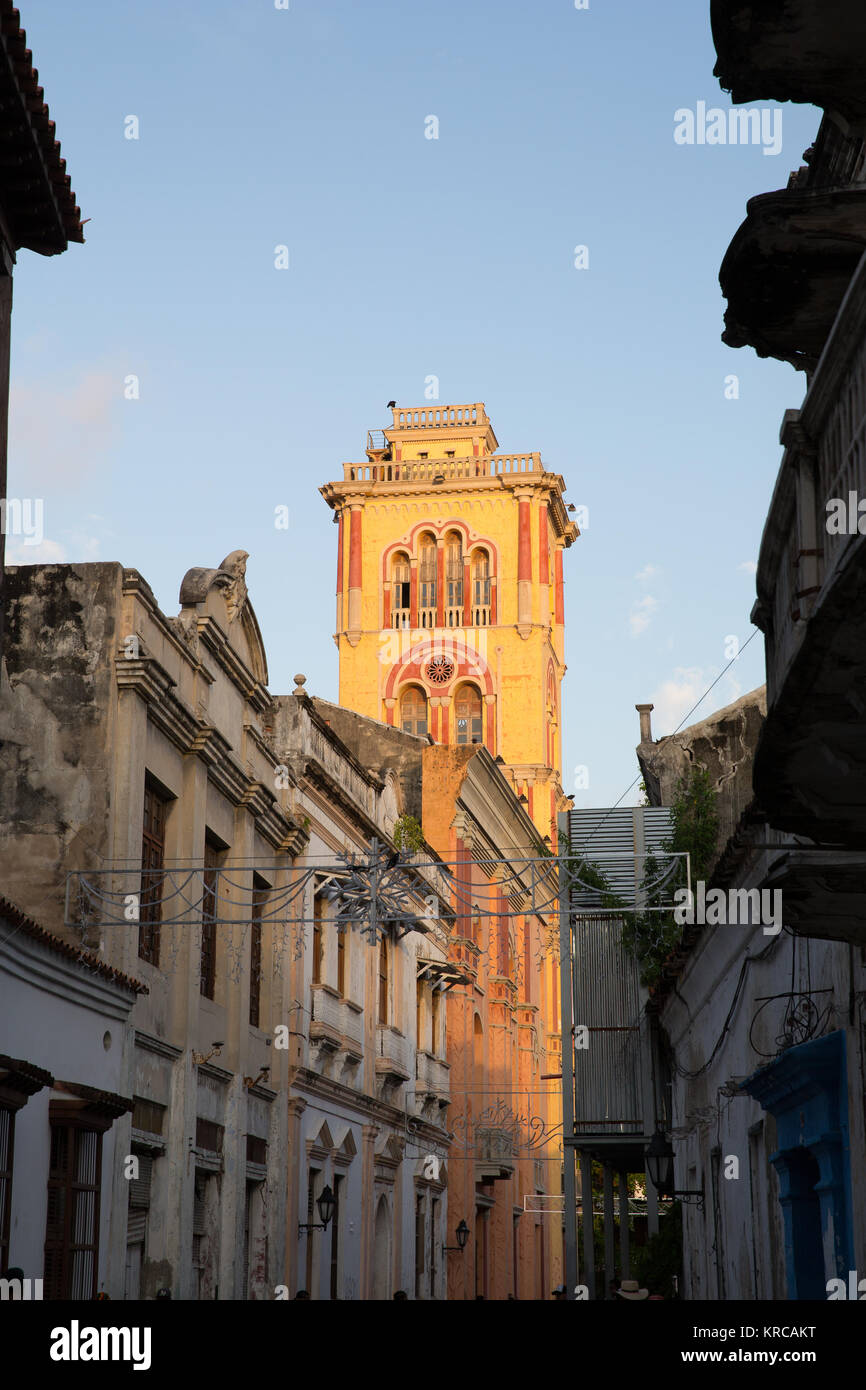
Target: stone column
(413,592)
(490,721)
(440,582)
(609,1229)
(544,564)
(586,1219)
(624,1235)
(368,1173)
(355,572)
(559,607)
(340,571)
(524,563)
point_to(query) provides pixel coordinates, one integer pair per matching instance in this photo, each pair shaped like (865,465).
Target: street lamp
(327,1205)
(659,1156)
(462,1234)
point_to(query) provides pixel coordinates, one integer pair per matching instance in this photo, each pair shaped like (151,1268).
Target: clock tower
(450,602)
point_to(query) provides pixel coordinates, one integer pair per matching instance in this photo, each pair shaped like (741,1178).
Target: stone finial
(235,565)
(646,726)
(300,682)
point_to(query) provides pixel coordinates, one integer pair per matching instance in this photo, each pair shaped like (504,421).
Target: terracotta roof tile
(33,137)
(10,913)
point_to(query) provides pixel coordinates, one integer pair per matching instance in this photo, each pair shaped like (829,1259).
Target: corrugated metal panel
(608,1002)
(615,841)
(609,999)
(139,1188)
(136,1227)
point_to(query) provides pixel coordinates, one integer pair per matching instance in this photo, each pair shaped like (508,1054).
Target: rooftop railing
(440,417)
(444,470)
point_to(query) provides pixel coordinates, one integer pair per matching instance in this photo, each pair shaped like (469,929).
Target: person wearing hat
(630,1289)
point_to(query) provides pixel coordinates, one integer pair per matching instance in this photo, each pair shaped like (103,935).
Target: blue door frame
(806,1090)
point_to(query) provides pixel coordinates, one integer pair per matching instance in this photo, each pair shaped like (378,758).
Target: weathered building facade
(761,1027)
(762,1008)
(63,1097)
(450,627)
(162,809)
(502,1012)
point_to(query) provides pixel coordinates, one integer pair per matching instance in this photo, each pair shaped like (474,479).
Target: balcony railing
(440,417)
(825,459)
(445,470)
(810,767)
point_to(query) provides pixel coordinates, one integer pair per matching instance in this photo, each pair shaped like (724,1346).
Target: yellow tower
(450,604)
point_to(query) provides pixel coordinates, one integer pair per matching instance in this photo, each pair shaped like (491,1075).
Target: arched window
(401,576)
(427,581)
(413,711)
(467,715)
(453,580)
(480,588)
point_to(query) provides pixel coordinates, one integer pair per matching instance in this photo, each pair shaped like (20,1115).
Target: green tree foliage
(651,936)
(657,1264)
(408,835)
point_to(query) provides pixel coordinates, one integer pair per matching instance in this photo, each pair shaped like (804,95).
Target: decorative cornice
(159,1046)
(217,643)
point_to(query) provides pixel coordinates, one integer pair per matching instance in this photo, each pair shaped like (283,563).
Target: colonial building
(761,1025)
(503,1037)
(165,813)
(795,280)
(63,1097)
(450,627)
(450,604)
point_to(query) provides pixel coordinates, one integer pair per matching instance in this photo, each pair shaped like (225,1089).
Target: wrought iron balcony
(788,268)
(494,1154)
(378,446)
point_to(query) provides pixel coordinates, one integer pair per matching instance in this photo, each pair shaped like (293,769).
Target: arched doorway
(382,1251)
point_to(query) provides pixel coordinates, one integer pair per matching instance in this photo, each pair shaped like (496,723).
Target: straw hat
(631,1289)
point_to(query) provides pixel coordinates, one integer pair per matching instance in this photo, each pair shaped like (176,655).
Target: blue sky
(409,257)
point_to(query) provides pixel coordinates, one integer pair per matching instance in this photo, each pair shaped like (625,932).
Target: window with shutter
(208,1136)
(72,1226)
(139,1188)
(147,1115)
(383,980)
(152,865)
(210,894)
(260,897)
(467,711)
(318,937)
